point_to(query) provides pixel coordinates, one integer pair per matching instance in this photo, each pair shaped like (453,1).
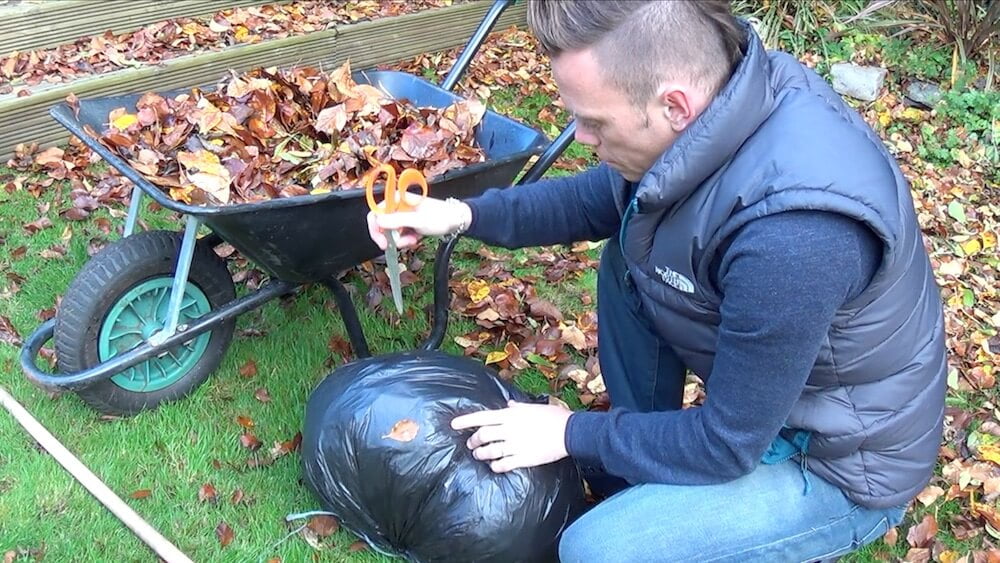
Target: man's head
(636,73)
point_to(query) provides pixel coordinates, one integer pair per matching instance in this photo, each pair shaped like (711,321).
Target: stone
(856,81)
(923,93)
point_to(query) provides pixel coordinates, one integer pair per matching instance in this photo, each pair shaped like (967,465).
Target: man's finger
(376,234)
(494,450)
(478,418)
(510,463)
(397,220)
(485,435)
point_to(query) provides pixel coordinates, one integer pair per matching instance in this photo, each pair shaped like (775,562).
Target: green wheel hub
(139,314)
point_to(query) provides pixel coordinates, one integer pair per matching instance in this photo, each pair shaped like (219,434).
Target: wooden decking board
(366,44)
(47,24)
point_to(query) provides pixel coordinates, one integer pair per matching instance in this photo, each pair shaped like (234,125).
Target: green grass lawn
(174,450)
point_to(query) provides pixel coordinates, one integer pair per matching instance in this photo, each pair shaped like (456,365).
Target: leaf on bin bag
(403,431)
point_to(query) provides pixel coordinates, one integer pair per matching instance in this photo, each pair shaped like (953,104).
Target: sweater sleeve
(551,211)
(782,277)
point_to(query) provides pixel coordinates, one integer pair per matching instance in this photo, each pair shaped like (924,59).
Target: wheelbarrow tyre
(142,260)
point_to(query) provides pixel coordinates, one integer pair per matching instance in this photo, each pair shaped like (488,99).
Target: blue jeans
(763,516)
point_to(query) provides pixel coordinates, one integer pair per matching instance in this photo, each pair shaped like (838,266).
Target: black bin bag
(379,452)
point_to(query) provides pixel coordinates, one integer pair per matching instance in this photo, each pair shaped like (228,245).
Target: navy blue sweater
(782,278)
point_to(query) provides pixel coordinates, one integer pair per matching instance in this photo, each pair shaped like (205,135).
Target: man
(760,235)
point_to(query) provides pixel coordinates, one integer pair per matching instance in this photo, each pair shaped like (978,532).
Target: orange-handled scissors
(394,201)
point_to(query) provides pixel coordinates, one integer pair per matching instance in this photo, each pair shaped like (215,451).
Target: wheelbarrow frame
(174,333)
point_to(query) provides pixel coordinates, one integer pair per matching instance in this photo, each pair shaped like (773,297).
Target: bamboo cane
(160,545)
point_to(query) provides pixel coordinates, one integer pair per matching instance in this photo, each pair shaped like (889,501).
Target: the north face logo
(675,280)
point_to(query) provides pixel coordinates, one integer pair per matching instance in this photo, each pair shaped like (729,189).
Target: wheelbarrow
(150,317)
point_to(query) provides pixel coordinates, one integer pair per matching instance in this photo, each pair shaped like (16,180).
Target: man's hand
(521,435)
(431,217)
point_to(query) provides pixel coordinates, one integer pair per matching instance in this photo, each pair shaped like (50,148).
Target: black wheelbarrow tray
(150,316)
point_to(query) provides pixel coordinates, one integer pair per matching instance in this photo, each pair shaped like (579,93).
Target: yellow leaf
(205,171)
(478,290)
(496,356)
(124,121)
(963,158)
(971,247)
(913,114)
(884,119)
(948,556)
(989,452)
(989,239)
(241,34)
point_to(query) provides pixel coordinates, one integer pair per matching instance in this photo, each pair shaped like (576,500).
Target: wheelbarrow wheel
(119,299)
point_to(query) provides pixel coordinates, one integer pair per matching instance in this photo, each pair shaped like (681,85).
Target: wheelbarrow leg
(441,294)
(350,316)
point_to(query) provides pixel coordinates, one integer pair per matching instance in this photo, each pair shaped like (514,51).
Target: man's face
(627,136)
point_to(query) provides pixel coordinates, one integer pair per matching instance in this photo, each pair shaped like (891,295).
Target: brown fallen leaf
(262,395)
(249,369)
(923,533)
(918,555)
(930,494)
(237,496)
(891,537)
(249,441)
(403,431)
(207,493)
(8,334)
(224,533)
(244,421)
(141,493)
(281,448)
(38,224)
(359,545)
(324,525)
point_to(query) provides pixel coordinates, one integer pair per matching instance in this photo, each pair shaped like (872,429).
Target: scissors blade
(392,270)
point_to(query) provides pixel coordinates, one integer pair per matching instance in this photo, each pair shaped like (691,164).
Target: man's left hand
(521,435)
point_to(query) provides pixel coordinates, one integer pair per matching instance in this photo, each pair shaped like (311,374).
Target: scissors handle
(394,201)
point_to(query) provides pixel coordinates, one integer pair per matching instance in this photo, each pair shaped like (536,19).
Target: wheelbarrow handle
(475,42)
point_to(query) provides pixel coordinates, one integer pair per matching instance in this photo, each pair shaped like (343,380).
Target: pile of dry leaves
(272,133)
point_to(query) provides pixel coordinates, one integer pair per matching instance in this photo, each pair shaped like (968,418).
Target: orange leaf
(249,369)
(358,546)
(244,421)
(207,493)
(324,525)
(403,431)
(141,493)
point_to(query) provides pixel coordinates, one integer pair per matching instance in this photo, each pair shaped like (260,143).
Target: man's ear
(677,106)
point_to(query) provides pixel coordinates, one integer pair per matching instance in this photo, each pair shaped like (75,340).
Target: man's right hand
(430,217)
